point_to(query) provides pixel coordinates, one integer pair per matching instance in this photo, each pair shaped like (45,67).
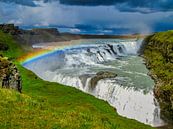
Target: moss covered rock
(9,75)
(157,49)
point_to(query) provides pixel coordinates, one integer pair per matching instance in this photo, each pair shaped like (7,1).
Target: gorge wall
(158,52)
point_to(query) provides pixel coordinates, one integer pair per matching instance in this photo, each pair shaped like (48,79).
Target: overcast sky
(90,16)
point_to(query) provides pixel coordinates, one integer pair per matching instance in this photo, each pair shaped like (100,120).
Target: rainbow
(37,53)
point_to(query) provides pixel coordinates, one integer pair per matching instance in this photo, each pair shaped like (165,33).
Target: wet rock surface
(9,75)
(101,75)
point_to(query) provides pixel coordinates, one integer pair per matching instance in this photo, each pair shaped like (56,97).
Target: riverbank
(50,105)
(158,53)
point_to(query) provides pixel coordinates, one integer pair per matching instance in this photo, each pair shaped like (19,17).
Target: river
(131,92)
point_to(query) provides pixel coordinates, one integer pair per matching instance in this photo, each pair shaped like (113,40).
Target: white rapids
(130,93)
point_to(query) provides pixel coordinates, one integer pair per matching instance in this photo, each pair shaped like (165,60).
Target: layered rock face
(158,52)
(9,75)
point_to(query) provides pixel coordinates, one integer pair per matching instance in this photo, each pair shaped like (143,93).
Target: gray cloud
(21,2)
(86,19)
(143,6)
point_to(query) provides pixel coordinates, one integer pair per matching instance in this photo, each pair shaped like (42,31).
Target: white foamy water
(131,92)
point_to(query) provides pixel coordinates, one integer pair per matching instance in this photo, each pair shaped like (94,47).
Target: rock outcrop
(101,75)
(33,36)
(41,35)
(9,75)
(158,53)
(10,28)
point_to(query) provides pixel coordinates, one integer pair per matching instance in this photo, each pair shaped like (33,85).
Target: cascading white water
(130,93)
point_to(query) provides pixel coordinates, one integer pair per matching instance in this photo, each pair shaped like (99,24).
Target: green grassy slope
(53,106)
(159,56)
(14,50)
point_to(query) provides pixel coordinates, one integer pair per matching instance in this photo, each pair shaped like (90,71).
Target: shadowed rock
(112,48)
(9,75)
(10,28)
(3,47)
(99,76)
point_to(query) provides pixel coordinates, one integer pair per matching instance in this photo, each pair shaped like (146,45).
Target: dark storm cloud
(163,5)
(86,27)
(21,2)
(90,2)
(143,6)
(104,30)
(94,17)
(27,2)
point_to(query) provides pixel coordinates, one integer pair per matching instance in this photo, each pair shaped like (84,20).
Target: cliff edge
(157,50)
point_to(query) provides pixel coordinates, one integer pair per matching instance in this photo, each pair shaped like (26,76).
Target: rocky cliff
(10,28)
(32,36)
(9,75)
(157,49)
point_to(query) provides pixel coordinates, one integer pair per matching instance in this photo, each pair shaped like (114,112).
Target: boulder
(101,75)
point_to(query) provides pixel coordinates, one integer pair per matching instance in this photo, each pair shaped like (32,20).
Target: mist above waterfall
(93,52)
(76,65)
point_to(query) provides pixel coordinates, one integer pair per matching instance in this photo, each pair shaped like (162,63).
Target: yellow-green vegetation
(47,105)
(14,49)
(158,53)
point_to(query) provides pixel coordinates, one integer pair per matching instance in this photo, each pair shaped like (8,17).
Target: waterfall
(75,66)
(86,55)
(128,102)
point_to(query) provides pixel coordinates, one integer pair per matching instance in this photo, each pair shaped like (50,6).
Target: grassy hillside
(14,50)
(53,106)
(159,56)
